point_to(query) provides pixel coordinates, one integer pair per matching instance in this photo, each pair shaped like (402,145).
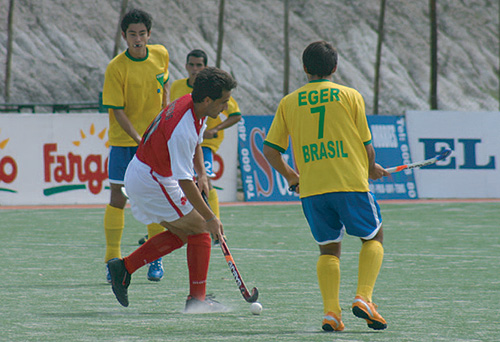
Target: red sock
(156,247)
(198,258)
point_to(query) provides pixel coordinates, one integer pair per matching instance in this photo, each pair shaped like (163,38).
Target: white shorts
(154,198)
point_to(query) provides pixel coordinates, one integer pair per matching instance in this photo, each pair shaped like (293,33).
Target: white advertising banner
(472,170)
(48,159)
(53,159)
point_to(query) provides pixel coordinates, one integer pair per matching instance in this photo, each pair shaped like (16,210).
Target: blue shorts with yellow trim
(119,158)
(332,215)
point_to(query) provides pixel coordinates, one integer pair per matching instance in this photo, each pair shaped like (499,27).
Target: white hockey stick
(441,156)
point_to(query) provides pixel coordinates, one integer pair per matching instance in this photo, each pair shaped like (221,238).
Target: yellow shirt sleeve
(179,88)
(214,143)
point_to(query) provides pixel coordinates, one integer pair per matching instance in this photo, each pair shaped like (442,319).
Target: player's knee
(192,224)
(330,249)
(378,237)
(117,198)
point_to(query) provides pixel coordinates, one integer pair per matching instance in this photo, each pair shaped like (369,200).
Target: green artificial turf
(440,279)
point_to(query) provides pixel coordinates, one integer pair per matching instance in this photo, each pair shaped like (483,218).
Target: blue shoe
(108,275)
(155,272)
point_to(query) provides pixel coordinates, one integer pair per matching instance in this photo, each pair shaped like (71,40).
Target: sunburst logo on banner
(77,171)
(83,136)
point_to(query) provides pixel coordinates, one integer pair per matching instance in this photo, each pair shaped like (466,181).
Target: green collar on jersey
(138,59)
(322,80)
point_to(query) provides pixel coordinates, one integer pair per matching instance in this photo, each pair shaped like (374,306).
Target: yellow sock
(213,201)
(154,228)
(114,221)
(370,261)
(328,268)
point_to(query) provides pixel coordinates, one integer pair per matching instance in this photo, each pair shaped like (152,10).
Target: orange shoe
(332,322)
(368,311)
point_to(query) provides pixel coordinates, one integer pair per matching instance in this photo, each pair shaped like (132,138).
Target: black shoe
(143,240)
(120,280)
(194,305)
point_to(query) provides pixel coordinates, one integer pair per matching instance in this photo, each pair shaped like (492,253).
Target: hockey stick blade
(237,277)
(441,156)
(444,153)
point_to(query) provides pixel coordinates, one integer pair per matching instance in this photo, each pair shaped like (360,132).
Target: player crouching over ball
(160,186)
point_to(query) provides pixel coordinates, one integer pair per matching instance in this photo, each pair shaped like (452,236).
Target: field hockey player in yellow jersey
(135,90)
(334,155)
(196,61)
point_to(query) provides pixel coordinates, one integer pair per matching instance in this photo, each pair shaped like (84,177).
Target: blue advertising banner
(390,141)
(262,183)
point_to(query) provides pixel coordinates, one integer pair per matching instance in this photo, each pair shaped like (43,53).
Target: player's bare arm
(213,225)
(166,95)
(230,121)
(375,170)
(126,125)
(199,168)
(276,160)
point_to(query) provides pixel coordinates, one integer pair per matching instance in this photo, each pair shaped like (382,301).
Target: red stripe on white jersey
(167,196)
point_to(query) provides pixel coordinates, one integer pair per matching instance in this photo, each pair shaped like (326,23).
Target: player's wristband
(211,219)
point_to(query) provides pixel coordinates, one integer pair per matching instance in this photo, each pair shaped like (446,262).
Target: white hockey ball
(256,308)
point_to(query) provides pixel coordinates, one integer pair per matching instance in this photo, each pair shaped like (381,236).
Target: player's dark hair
(212,82)
(320,59)
(197,53)
(136,16)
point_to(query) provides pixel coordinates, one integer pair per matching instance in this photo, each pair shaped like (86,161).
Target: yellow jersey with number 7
(328,129)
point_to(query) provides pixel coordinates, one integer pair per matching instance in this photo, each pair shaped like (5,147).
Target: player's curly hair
(320,58)
(136,16)
(211,82)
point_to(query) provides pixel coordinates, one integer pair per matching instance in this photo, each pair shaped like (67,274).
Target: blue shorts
(331,215)
(208,157)
(119,158)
